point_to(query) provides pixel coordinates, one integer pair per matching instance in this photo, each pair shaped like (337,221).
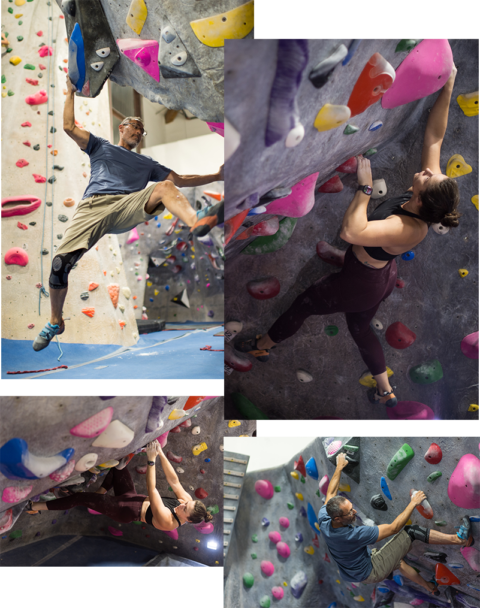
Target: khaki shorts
(109,214)
(388,558)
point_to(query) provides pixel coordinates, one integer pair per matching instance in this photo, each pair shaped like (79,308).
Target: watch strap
(151,463)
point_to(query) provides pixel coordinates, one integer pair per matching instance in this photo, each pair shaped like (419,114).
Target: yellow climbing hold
(473,408)
(155,292)
(234,423)
(358,598)
(213,31)
(474,200)
(149,283)
(294,474)
(137,15)
(198,449)
(337,581)
(169,216)
(469,103)
(331,116)
(309,550)
(18,15)
(463,272)
(299,496)
(367,379)
(107,465)
(317,526)
(20,2)
(344,487)
(457,166)
(15,60)
(285,584)
(176,414)
(409,522)
(196,540)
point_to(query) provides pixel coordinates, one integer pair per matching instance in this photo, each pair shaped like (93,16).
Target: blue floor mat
(159,355)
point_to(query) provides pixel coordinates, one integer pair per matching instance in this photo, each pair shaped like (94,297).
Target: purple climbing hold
(265,522)
(302,512)
(299,537)
(298,584)
(264,489)
(154,420)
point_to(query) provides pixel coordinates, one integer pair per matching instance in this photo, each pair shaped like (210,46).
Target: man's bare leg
(413,575)
(438,538)
(57,300)
(168,194)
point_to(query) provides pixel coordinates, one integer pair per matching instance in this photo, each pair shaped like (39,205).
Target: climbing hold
(92,286)
(457,166)
(304,376)
(349,166)
(284,522)
(93,426)
(331,116)
(298,584)
(171,456)
(283,115)
(264,289)
(439,229)
(248,580)
(264,489)
(407,256)
(17,462)
(426,373)
(375,125)
(137,15)
(344,487)
(376,324)
(265,602)
(434,454)
(37,99)
(299,495)
(22,163)
(406,45)
(463,272)
(423,72)
(334,184)
(330,254)
(88,311)
(265,228)
(399,336)
(323,485)
(350,129)
(311,468)
(321,73)
(132,236)
(15,60)
(143,53)
(472,556)
(114,292)
(474,200)
(299,202)
(331,330)
(410,410)
(45,50)
(464,484)
(69,202)
(277,593)
(268,244)
(375,79)
(275,537)
(399,461)
(176,414)
(196,430)
(385,489)
(16,256)
(433,476)
(154,419)
(116,435)
(469,103)
(295,475)
(370,152)
(265,523)
(200,493)
(441,523)
(290,505)
(234,24)
(15,493)
(199,448)
(300,466)
(424,507)
(236,361)
(234,423)
(469,346)
(378,502)
(267,568)
(379,188)
(126,292)
(310,550)
(181,299)
(444,576)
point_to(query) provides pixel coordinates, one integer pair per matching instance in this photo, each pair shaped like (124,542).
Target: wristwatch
(151,463)
(366,189)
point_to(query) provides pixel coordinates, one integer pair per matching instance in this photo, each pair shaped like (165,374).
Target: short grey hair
(334,506)
(129,118)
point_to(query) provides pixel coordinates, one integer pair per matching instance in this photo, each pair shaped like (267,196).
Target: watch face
(368,189)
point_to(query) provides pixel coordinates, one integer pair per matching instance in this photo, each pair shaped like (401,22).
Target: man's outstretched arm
(386,530)
(190,181)
(342,462)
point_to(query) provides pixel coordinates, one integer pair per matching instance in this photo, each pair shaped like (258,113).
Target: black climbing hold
(68,7)
(58,167)
(53,130)
(32,223)
(63,218)
(378,503)
(53,86)
(272,195)
(59,236)
(40,75)
(436,556)
(52,179)
(36,147)
(85,295)
(49,204)
(50,113)
(45,252)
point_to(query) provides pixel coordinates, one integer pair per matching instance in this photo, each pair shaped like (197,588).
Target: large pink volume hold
(264,489)
(143,53)
(172,533)
(299,202)
(410,410)
(464,484)
(469,346)
(217,127)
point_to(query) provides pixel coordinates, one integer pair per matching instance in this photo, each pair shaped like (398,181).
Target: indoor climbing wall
(88,435)
(163,264)
(44,176)
(278,554)
(297,112)
(170,52)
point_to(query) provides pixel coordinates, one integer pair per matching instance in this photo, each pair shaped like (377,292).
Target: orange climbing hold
(113,292)
(444,576)
(376,78)
(69,202)
(216,195)
(233,224)
(88,311)
(192,402)
(92,286)
(122,324)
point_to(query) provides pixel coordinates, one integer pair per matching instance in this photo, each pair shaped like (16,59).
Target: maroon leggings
(356,291)
(124,507)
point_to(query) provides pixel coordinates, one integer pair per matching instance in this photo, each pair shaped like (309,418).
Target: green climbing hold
(248,580)
(441,523)
(170,489)
(290,505)
(351,448)
(274,242)
(28,66)
(137,523)
(318,493)
(302,479)
(254,538)
(254,555)
(4,80)
(247,409)
(349,129)
(16,534)
(370,152)
(265,602)
(10,10)
(10,92)
(426,373)
(213,510)
(406,45)
(399,461)
(435,475)
(278,489)
(331,330)
(9,50)
(20,22)
(19,38)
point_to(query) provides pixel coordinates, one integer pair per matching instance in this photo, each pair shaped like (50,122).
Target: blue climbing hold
(207,459)
(375,125)
(167,287)
(151,299)
(351,50)
(408,255)
(472,518)
(332,605)
(385,490)
(398,579)
(17,462)
(257,210)
(302,512)
(265,522)
(76,58)
(312,518)
(311,468)
(158,225)
(156,218)
(299,537)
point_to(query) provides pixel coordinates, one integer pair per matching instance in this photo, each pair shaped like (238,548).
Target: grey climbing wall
(250,544)
(436,303)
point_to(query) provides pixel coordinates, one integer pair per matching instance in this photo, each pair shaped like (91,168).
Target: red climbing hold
(265,228)
(92,286)
(236,361)
(400,283)
(329,254)
(33,81)
(39,178)
(26,124)
(37,99)
(176,429)
(201,494)
(349,166)
(377,76)
(326,558)
(171,456)
(45,50)
(16,256)
(315,542)
(264,289)
(334,184)
(41,66)
(22,226)
(27,143)
(232,225)
(22,163)
(186,424)
(399,336)
(192,402)
(434,454)
(300,466)
(39,33)
(88,311)
(444,576)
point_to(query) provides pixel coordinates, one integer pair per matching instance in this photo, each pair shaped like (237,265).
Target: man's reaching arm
(342,462)
(386,530)
(79,136)
(189,181)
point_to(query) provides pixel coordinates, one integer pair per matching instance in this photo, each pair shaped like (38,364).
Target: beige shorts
(388,558)
(109,214)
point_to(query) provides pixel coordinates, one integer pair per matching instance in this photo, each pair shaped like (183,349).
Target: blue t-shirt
(348,546)
(116,170)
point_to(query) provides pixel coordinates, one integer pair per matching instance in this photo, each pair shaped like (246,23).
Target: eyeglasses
(136,127)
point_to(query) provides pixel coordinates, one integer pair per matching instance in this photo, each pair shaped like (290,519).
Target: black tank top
(393,206)
(170,503)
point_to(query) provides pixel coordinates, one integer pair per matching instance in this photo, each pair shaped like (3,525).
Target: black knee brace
(418,533)
(62,264)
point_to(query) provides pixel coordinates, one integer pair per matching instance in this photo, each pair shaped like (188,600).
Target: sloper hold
(472,556)
(154,419)
(137,15)
(16,256)
(269,244)
(174,59)
(331,186)
(299,202)
(116,435)
(264,489)
(17,462)
(399,336)
(469,103)
(424,71)
(234,24)
(93,426)
(331,116)
(444,576)
(464,483)
(399,461)
(469,345)
(385,488)
(143,53)
(311,468)
(298,584)
(264,228)
(457,166)
(321,73)
(434,454)
(330,254)
(411,410)
(426,373)
(264,289)
(349,166)
(376,78)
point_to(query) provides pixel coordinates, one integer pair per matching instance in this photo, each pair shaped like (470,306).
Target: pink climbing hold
(277,593)
(333,447)
(132,236)
(9,277)
(410,410)
(349,166)
(26,124)
(333,185)
(264,289)
(114,531)
(143,53)
(472,556)
(399,336)
(39,178)
(162,439)
(217,127)
(275,537)
(37,99)
(264,489)
(267,568)
(200,493)
(283,549)
(265,228)
(323,485)
(22,163)
(299,202)
(30,203)
(171,456)
(22,226)
(45,50)
(33,81)
(93,426)
(16,256)
(39,33)
(31,325)
(92,512)
(6,521)
(464,484)
(423,71)
(284,522)
(469,346)
(15,493)
(204,527)
(434,453)
(64,472)
(172,533)
(330,254)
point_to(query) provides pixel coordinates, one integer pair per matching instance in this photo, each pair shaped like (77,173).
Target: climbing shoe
(208,219)
(250,347)
(387,399)
(47,334)
(124,461)
(465,531)
(436,590)
(29,509)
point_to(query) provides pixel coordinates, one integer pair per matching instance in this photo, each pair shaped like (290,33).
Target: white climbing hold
(376,324)
(232,328)
(121,307)
(303,376)
(126,292)
(232,139)
(86,462)
(105,52)
(196,430)
(221,448)
(379,188)
(295,136)
(180,470)
(116,435)
(439,229)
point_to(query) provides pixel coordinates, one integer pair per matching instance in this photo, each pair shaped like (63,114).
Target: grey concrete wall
(324,584)
(436,303)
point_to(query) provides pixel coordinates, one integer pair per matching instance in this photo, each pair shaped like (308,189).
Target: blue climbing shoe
(465,531)
(46,335)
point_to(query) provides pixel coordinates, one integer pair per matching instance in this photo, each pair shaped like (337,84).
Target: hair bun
(451,219)
(208,517)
